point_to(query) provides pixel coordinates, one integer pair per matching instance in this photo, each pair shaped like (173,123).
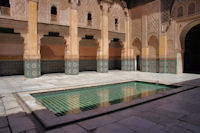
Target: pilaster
(102,61)
(145,49)
(32,48)
(163,54)
(127,59)
(72,55)
(144,61)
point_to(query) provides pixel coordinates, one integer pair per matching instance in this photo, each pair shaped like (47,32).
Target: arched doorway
(153,59)
(191,52)
(52,53)
(137,47)
(88,54)
(115,51)
(11,53)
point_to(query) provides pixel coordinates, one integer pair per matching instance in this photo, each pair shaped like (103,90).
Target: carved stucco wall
(44,11)
(178,24)
(185,4)
(89,6)
(116,11)
(137,23)
(19,9)
(152,12)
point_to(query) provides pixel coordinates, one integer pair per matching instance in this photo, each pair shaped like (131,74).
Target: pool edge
(49,120)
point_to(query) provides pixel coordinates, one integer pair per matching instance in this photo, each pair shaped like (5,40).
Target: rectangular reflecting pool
(79,100)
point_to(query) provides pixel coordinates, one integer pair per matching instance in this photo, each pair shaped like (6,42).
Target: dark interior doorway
(52,53)
(88,54)
(138,63)
(192,54)
(115,50)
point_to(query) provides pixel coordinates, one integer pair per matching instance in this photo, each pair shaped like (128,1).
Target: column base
(71,67)
(32,68)
(102,66)
(128,65)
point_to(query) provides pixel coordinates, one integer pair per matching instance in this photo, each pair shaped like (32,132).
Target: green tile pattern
(71,67)
(144,65)
(153,65)
(32,69)
(84,99)
(128,65)
(102,66)
(171,66)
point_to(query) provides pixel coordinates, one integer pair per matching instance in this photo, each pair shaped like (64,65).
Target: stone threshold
(49,120)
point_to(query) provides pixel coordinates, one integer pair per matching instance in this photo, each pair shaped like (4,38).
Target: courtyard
(99,66)
(170,114)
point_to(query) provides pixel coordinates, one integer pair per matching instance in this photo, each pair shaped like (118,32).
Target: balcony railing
(4,11)
(53,18)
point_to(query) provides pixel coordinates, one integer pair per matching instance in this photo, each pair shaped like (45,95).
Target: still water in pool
(79,100)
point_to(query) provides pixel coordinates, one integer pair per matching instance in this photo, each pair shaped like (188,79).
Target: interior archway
(153,60)
(191,52)
(11,53)
(115,51)
(52,54)
(88,54)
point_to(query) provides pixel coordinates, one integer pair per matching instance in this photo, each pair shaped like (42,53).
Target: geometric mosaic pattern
(11,67)
(128,65)
(32,68)
(153,65)
(168,66)
(102,66)
(71,67)
(171,66)
(144,65)
(150,65)
(52,66)
(159,65)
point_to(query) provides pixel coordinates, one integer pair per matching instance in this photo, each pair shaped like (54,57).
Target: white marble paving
(10,84)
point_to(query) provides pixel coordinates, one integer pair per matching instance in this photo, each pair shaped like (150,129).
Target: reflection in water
(79,100)
(104,97)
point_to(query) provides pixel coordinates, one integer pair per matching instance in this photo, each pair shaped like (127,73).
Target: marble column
(32,49)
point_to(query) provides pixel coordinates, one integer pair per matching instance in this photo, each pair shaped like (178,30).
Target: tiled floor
(178,113)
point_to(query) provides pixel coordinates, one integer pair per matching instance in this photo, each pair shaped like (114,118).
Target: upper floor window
(191,9)
(89,19)
(116,24)
(4,7)
(53,13)
(180,12)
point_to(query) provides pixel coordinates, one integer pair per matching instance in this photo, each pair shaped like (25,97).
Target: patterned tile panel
(32,68)
(102,66)
(71,67)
